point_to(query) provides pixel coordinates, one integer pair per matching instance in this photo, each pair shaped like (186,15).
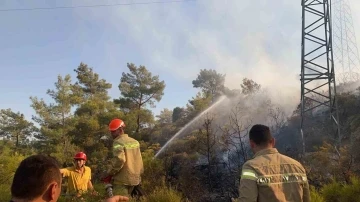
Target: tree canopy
(139,88)
(210,82)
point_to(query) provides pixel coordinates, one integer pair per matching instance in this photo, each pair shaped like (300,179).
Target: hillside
(204,162)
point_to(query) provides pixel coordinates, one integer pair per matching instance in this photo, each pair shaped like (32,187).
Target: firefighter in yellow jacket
(271,176)
(127,163)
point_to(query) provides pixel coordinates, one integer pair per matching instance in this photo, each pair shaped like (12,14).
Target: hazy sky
(240,38)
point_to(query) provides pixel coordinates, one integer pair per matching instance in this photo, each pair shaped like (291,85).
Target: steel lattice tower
(318,87)
(346,53)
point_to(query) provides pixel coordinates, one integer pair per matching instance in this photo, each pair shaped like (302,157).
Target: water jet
(220,100)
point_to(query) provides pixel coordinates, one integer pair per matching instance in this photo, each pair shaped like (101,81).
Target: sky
(259,40)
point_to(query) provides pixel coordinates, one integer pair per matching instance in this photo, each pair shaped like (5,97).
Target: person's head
(260,138)
(80,159)
(37,179)
(116,127)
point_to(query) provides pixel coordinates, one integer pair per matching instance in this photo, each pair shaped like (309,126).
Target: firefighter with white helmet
(79,176)
(127,164)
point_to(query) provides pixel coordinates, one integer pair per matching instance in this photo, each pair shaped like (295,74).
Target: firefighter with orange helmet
(127,164)
(79,176)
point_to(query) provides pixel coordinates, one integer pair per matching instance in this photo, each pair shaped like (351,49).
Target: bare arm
(90,186)
(64,172)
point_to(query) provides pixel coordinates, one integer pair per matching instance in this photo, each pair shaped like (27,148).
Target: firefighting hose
(109,190)
(108,186)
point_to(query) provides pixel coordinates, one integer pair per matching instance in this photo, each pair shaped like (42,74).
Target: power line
(94,6)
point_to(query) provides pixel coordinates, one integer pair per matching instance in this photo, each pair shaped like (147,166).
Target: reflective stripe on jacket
(271,176)
(127,164)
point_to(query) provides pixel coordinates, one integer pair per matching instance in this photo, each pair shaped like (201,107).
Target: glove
(107,179)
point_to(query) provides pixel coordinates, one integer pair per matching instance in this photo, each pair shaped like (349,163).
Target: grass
(162,194)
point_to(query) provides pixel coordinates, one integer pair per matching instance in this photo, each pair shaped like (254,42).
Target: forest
(203,163)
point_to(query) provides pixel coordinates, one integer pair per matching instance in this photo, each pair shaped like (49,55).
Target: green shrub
(332,192)
(315,195)
(351,192)
(154,173)
(9,161)
(341,192)
(163,194)
(5,193)
(160,194)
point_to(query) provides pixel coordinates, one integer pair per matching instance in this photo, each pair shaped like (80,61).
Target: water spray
(220,100)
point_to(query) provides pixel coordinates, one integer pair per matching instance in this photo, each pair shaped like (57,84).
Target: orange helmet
(80,155)
(116,124)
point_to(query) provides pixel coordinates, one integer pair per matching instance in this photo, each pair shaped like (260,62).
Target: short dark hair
(260,134)
(33,176)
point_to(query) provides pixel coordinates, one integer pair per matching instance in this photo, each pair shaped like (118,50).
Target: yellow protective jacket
(273,177)
(127,164)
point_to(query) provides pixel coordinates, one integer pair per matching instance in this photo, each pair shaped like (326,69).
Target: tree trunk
(17,140)
(138,115)
(138,123)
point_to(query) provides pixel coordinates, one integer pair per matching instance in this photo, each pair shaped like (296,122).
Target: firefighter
(79,176)
(36,179)
(271,176)
(127,164)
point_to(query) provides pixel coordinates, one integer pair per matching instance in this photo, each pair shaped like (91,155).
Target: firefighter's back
(280,178)
(130,174)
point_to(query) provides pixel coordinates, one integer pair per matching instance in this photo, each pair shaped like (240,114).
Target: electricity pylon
(346,52)
(318,86)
